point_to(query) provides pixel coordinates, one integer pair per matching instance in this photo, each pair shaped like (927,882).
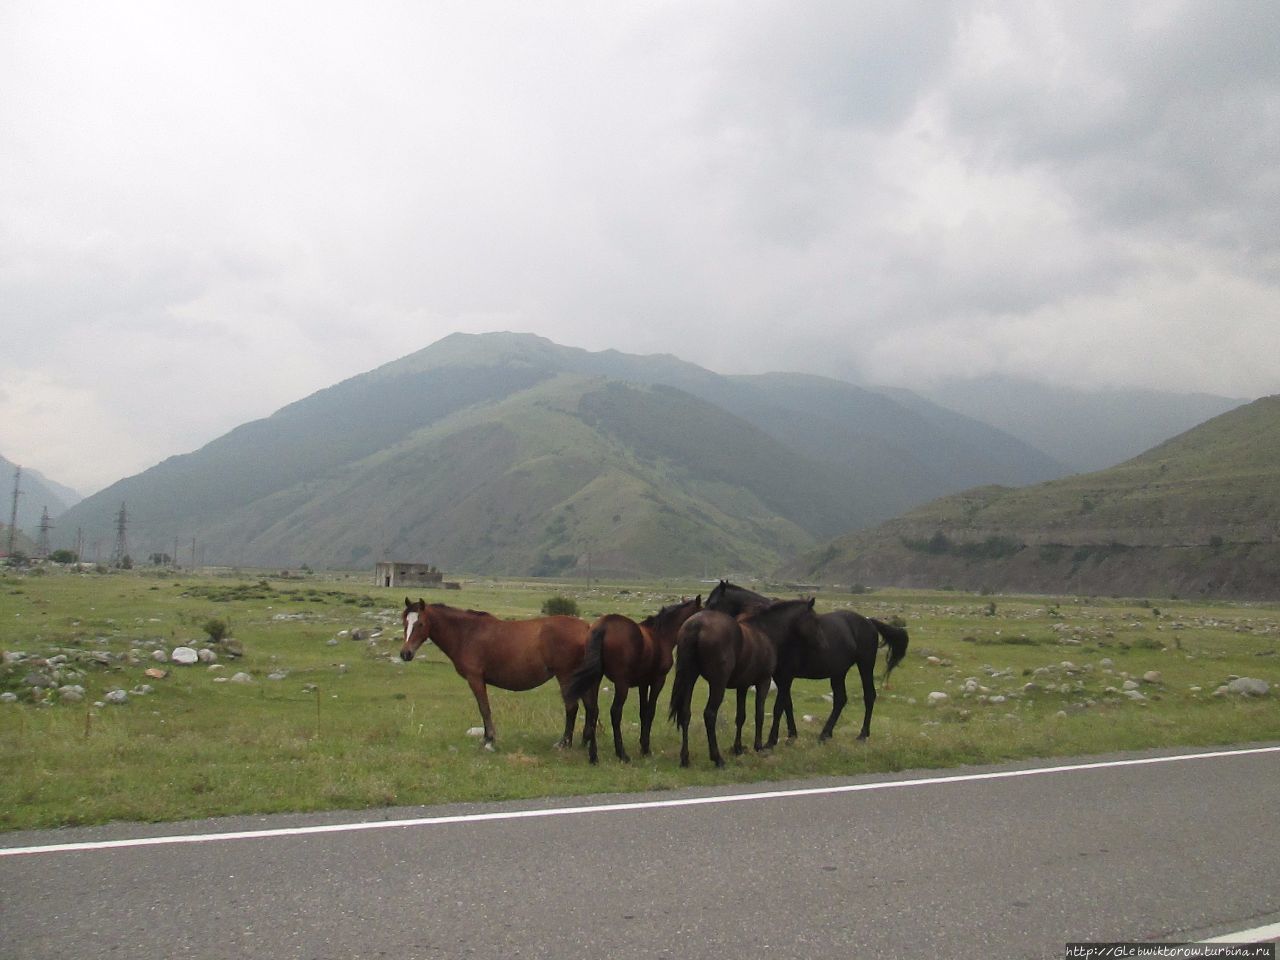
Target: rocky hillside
(1198,515)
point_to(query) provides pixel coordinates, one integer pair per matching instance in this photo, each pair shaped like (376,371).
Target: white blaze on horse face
(409,621)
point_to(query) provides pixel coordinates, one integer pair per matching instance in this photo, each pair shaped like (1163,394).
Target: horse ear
(698,600)
(422,604)
(408,602)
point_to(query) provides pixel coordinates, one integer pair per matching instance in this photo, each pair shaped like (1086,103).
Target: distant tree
(160,559)
(64,556)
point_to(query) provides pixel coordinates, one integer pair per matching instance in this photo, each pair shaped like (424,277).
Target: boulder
(185,656)
(1249,687)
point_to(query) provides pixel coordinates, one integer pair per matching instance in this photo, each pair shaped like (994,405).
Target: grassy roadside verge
(331,722)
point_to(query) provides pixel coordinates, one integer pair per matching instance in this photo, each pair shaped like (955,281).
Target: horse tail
(687,671)
(896,639)
(591,670)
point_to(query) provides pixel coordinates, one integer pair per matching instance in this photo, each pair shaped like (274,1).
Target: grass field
(345,724)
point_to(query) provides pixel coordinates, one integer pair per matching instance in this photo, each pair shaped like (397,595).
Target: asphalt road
(975,863)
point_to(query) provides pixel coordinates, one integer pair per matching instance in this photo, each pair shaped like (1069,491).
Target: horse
(848,638)
(510,654)
(631,655)
(740,653)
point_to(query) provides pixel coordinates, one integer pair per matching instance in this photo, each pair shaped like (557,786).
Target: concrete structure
(391,574)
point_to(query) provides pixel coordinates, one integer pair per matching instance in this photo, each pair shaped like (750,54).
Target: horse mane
(457,610)
(669,610)
(775,608)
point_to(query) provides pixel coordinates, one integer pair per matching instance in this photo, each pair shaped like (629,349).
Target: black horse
(737,653)
(847,638)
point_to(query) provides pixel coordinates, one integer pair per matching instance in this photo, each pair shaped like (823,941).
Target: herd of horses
(739,640)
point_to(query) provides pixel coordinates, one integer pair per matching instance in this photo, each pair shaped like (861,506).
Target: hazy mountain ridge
(38,493)
(1197,515)
(1089,430)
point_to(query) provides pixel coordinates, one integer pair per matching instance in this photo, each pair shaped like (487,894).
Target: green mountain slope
(1196,515)
(454,454)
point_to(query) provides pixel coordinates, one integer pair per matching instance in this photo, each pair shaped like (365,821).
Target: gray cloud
(209,210)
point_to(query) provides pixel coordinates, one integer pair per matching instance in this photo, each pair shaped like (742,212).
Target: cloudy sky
(209,210)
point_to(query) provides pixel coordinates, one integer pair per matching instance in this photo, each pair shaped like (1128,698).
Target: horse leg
(615,715)
(868,672)
(780,703)
(839,697)
(739,719)
(481,693)
(762,692)
(648,707)
(715,697)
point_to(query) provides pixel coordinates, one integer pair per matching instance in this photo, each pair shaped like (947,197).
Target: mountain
(507,453)
(1089,430)
(1198,515)
(38,494)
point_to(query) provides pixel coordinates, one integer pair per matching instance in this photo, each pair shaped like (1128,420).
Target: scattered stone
(242,678)
(278,675)
(1249,687)
(142,689)
(998,698)
(933,661)
(71,693)
(1135,695)
(159,656)
(117,696)
(185,656)
(38,680)
(475,732)
(1130,685)
(936,697)
(1153,676)
(8,697)
(207,656)
(1106,663)
(331,642)
(232,647)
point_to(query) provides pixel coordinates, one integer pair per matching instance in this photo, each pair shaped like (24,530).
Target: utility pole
(122,544)
(79,545)
(13,512)
(42,548)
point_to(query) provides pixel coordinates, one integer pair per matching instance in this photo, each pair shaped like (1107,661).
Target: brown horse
(631,655)
(511,654)
(740,653)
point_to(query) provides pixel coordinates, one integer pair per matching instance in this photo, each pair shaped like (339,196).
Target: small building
(391,574)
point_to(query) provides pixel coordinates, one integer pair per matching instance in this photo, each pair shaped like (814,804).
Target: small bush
(559,606)
(217,629)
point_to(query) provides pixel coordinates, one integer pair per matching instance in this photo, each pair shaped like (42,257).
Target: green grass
(351,726)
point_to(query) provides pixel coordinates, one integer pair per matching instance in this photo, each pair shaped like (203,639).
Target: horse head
(787,621)
(417,627)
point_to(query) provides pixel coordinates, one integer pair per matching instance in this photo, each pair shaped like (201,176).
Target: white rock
(1131,685)
(475,732)
(207,656)
(1135,695)
(936,697)
(71,693)
(159,656)
(8,697)
(117,696)
(276,676)
(185,656)
(242,678)
(1249,687)
(1152,676)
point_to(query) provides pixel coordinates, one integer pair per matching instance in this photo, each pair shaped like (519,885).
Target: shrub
(558,606)
(217,629)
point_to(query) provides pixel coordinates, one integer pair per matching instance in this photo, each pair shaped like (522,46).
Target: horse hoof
(624,758)
(488,745)
(720,764)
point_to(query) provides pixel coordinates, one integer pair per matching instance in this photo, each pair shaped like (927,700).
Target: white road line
(1257,935)
(619,807)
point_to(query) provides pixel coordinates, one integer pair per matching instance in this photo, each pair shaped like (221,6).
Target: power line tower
(13,512)
(42,548)
(121,550)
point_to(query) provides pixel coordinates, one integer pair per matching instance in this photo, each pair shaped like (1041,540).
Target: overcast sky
(209,210)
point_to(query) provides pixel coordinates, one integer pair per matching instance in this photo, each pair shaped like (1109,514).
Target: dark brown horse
(511,654)
(848,638)
(631,655)
(738,653)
